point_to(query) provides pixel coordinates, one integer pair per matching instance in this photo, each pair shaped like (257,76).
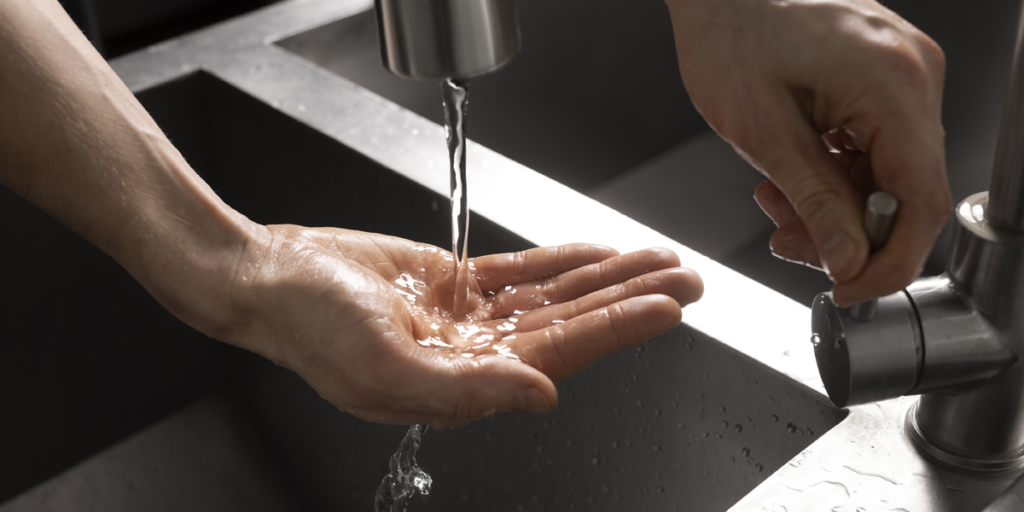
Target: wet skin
(366,319)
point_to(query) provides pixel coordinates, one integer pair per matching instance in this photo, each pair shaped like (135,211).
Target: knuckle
(903,61)
(812,201)
(519,264)
(558,364)
(617,321)
(932,52)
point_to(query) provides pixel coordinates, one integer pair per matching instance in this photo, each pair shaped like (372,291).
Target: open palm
(367,320)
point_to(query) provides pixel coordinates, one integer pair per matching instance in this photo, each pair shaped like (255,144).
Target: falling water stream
(405,476)
(455,98)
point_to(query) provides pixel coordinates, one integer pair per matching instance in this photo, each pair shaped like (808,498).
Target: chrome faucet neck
(444,39)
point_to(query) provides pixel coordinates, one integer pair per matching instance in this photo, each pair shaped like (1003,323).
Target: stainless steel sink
(725,409)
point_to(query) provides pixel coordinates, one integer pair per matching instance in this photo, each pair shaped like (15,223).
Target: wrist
(186,247)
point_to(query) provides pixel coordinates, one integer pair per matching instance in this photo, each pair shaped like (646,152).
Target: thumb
(822,194)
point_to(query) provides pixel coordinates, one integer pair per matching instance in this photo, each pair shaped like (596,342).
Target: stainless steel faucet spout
(1006,206)
(443,39)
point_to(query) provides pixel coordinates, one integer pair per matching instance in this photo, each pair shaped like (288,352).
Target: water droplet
(739,428)
(791,428)
(759,467)
(746,452)
(775,418)
(815,340)
(725,424)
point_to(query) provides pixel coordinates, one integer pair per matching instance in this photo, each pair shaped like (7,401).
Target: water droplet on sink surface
(739,428)
(746,452)
(791,428)
(815,340)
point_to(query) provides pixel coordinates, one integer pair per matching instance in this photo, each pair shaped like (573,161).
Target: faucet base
(1009,462)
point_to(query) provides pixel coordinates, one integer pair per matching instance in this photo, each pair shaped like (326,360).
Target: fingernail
(837,255)
(534,401)
(785,252)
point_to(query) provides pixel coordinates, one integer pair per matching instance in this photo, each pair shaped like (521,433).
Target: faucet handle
(865,352)
(878,220)
(862,362)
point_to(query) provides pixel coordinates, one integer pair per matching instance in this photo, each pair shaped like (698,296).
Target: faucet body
(954,339)
(446,39)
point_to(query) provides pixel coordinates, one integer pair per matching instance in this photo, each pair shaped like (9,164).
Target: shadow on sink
(681,422)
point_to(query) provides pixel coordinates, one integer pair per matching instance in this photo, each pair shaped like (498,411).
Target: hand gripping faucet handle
(871,351)
(878,220)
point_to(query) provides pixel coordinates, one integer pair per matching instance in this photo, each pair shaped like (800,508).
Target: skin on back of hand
(772,77)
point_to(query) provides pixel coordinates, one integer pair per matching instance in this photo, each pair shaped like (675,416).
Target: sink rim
(774,333)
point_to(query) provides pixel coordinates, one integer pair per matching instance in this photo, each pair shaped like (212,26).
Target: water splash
(405,477)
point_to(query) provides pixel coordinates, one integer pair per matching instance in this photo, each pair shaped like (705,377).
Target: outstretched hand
(366,319)
(773,77)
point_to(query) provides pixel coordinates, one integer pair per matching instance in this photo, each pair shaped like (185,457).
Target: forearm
(75,142)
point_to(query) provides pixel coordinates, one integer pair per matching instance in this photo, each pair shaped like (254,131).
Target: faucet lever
(878,220)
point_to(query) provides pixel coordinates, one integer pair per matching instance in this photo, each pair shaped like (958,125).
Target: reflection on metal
(442,39)
(867,464)
(879,217)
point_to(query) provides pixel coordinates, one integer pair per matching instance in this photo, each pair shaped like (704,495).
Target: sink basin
(726,410)
(680,420)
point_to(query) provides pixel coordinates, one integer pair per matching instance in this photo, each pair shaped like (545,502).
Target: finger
(774,203)
(581,281)
(833,140)
(908,162)
(496,271)
(564,349)
(792,243)
(818,188)
(863,175)
(840,143)
(681,284)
